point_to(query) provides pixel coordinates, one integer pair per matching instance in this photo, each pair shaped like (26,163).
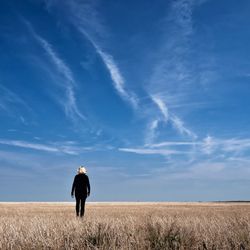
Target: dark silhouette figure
(81,189)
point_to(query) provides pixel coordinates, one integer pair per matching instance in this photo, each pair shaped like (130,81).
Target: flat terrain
(125,226)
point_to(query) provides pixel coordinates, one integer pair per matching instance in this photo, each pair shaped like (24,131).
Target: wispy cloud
(179,125)
(151,131)
(207,171)
(182,11)
(162,106)
(117,78)
(147,151)
(208,145)
(9,98)
(86,20)
(173,143)
(211,144)
(197,149)
(52,147)
(173,72)
(70,106)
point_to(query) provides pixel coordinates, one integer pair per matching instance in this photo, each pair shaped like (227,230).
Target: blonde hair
(81,170)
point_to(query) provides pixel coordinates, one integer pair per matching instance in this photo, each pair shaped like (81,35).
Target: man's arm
(73,187)
(88,185)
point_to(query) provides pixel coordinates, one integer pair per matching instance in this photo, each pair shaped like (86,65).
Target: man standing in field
(81,189)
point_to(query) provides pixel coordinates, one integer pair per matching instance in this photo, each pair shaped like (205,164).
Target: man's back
(81,185)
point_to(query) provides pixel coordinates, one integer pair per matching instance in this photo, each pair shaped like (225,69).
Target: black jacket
(81,186)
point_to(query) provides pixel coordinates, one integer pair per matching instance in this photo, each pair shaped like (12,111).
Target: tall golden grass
(125,226)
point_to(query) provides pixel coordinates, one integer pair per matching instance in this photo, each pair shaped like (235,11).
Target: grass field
(125,226)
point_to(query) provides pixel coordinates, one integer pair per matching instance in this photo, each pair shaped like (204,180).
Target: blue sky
(151,96)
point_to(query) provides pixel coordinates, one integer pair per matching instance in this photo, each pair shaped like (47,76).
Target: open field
(125,226)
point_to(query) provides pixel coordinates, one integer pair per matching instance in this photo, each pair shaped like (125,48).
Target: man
(81,189)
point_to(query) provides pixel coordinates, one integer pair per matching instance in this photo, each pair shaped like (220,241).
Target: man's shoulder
(81,176)
(85,177)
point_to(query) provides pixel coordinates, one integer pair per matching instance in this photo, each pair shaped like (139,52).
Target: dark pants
(80,205)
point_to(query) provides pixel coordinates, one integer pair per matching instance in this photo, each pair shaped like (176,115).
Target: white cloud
(117,78)
(9,98)
(23,144)
(206,170)
(176,121)
(86,20)
(215,148)
(208,145)
(71,108)
(182,11)
(173,73)
(234,145)
(162,106)
(147,151)
(53,148)
(179,125)
(57,61)
(173,143)
(151,131)
(70,105)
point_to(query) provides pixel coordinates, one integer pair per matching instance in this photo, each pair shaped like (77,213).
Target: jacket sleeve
(88,185)
(73,186)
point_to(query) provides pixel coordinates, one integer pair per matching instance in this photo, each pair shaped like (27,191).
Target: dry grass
(125,226)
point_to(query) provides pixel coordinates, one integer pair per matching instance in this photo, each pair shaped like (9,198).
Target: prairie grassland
(125,226)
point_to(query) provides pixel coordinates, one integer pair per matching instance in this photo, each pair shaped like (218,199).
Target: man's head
(81,170)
